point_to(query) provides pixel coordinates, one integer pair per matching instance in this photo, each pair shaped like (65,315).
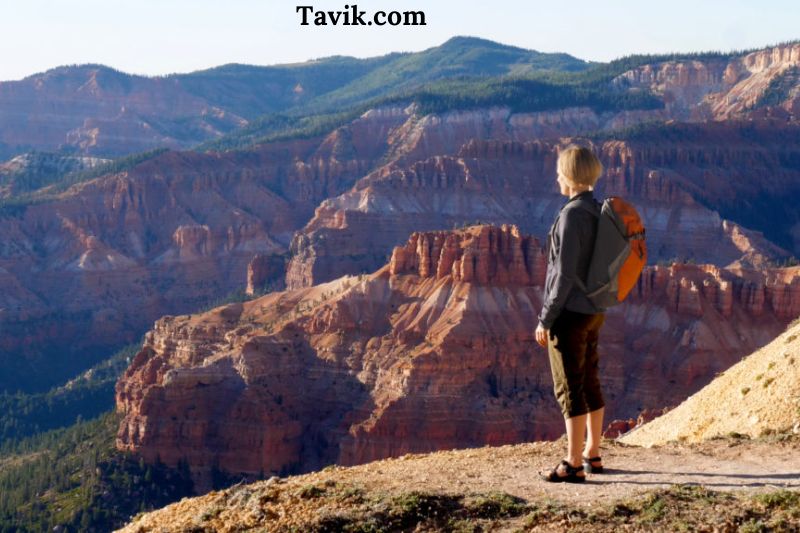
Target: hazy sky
(164,36)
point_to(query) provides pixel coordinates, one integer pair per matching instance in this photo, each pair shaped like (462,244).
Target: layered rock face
(434,350)
(722,88)
(92,268)
(680,178)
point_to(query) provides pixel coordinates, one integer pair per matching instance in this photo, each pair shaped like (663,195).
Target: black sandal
(590,468)
(571,477)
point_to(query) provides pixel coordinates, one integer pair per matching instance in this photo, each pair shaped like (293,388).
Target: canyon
(325,268)
(88,269)
(434,350)
(94,266)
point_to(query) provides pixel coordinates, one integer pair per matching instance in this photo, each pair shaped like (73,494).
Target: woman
(569,323)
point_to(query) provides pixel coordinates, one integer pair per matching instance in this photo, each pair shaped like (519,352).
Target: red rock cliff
(434,350)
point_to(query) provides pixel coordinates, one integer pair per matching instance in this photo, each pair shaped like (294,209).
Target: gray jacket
(571,243)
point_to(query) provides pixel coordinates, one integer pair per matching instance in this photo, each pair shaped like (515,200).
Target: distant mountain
(694,86)
(96,110)
(459,56)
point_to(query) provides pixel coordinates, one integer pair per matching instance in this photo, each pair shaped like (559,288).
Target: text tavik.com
(352,16)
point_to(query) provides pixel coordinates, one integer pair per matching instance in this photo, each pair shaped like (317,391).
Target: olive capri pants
(572,348)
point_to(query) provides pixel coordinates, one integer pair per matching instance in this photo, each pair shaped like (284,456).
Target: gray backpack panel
(611,250)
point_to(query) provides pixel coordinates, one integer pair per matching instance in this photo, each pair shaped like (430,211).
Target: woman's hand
(541,335)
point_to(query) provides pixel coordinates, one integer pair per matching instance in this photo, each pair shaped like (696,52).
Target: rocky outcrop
(497,256)
(434,350)
(364,352)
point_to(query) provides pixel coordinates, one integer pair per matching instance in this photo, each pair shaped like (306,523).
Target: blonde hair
(579,165)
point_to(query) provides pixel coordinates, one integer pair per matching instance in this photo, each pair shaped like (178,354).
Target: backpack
(619,255)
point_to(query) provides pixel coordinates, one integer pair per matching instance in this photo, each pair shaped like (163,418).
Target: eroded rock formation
(434,350)
(93,267)
(693,185)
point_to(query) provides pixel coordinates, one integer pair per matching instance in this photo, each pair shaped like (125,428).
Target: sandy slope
(759,394)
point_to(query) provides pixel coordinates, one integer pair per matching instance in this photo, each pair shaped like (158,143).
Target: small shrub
(409,509)
(782,499)
(495,505)
(329,523)
(694,492)
(311,491)
(653,509)
(753,526)
(208,514)
(352,494)
(458,525)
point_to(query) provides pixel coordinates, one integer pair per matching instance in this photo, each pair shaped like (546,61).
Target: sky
(156,37)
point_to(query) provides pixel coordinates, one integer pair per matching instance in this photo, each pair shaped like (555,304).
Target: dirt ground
(725,464)
(730,466)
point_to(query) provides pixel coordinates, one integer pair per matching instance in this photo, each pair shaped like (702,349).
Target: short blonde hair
(579,165)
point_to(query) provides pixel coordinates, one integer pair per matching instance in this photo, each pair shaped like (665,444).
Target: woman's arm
(565,264)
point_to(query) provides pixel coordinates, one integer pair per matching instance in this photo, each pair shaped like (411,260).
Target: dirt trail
(753,466)
(720,465)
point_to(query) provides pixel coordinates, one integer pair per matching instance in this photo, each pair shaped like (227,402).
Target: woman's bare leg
(594,428)
(576,426)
